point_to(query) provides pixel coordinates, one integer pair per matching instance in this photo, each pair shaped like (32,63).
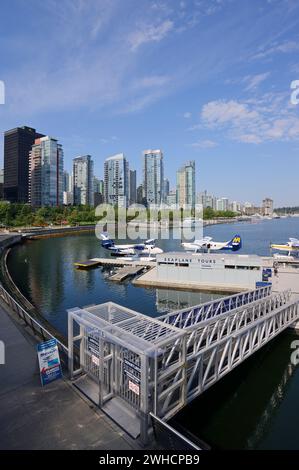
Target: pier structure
(137,368)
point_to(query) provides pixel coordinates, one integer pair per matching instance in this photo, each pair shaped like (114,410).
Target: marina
(75,287)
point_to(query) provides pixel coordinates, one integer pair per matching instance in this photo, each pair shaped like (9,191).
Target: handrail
(29,320)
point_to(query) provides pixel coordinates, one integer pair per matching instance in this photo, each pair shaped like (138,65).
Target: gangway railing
(158,365)
(192,315)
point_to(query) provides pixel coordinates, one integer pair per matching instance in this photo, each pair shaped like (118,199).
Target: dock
(86,264)
(94,262)
(125,272)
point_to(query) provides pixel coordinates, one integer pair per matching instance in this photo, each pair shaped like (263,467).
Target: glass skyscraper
(153,175)
(116,180)
(46,173)
(83,180)
(185,185)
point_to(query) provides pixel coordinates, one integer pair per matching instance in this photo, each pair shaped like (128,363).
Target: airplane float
(292,246)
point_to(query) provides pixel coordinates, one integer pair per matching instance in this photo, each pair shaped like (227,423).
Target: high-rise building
(66,182)
(140,196)
(46,173)
(165,189)
(1,183)
(132,187)
(222,204)
(267,207)
(98,191)
(83,180)
(116,180)
(17,145)
(171,198)
(185,185)
(153,172)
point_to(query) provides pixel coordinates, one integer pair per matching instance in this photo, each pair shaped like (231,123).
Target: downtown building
(132,187)
(153,177)
(116,180)
(18,143)
(83,181)
(185,185)
(46,173)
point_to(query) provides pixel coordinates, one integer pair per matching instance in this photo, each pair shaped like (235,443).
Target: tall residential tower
(83,181)
(116,180)
(46,173)
(185,185)
(153,175)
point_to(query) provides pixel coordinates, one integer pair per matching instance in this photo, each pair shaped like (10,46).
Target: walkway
(54,417)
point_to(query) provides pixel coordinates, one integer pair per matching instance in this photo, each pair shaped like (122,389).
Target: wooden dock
(125,272)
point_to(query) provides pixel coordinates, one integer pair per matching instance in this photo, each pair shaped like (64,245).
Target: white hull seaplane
(147,248)
(207,244)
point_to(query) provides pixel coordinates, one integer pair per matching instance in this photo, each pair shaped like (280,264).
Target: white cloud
(282,48)
(253,121)
(204,144)
(254,81)
(187,115)
(149,33)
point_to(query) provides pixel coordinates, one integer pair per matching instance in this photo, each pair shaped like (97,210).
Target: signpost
(49,361)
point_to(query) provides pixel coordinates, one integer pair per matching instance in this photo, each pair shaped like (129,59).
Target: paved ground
(54,417)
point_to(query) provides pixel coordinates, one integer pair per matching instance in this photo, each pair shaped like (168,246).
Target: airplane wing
(203,242)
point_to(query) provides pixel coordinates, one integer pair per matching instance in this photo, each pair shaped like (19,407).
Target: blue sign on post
(49,361)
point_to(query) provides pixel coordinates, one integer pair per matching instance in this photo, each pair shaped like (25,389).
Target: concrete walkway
(53,417)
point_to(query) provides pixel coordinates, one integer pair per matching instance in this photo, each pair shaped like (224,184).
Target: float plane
(292,246)
(207,244)
(146,248)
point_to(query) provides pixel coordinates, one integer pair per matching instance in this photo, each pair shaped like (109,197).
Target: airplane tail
(107,242)
(235,243)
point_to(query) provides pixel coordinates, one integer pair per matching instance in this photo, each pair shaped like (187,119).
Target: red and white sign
(134,387)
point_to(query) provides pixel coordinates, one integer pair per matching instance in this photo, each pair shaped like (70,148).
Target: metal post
(144,396)
(70,346)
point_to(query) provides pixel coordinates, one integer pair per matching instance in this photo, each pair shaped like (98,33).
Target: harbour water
(257,406)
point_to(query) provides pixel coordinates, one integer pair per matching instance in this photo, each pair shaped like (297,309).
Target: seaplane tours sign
(49,361)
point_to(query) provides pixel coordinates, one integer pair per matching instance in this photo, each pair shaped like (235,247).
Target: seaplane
(292,246)
(146,248)
(207,244)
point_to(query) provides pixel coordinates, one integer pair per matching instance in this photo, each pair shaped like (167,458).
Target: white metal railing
(36,327)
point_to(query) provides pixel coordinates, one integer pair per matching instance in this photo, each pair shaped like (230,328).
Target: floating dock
(125,272)
(114,262)
(86,264)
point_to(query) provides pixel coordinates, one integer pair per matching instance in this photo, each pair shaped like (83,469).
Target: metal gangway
(134,366)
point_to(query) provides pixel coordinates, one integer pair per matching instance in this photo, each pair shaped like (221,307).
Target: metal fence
(32,323)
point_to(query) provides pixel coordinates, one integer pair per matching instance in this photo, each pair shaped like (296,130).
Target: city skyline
(136,83)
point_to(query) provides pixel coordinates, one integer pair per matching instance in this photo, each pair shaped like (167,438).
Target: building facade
(83,180)
(116,180)
(17,146)
(153,175)
(133,186)
(185,185)
(267,207)
(46,173)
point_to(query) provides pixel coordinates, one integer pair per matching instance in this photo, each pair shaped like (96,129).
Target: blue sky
(207,80)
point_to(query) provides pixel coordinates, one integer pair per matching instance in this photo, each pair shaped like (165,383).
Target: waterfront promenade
(53,417)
